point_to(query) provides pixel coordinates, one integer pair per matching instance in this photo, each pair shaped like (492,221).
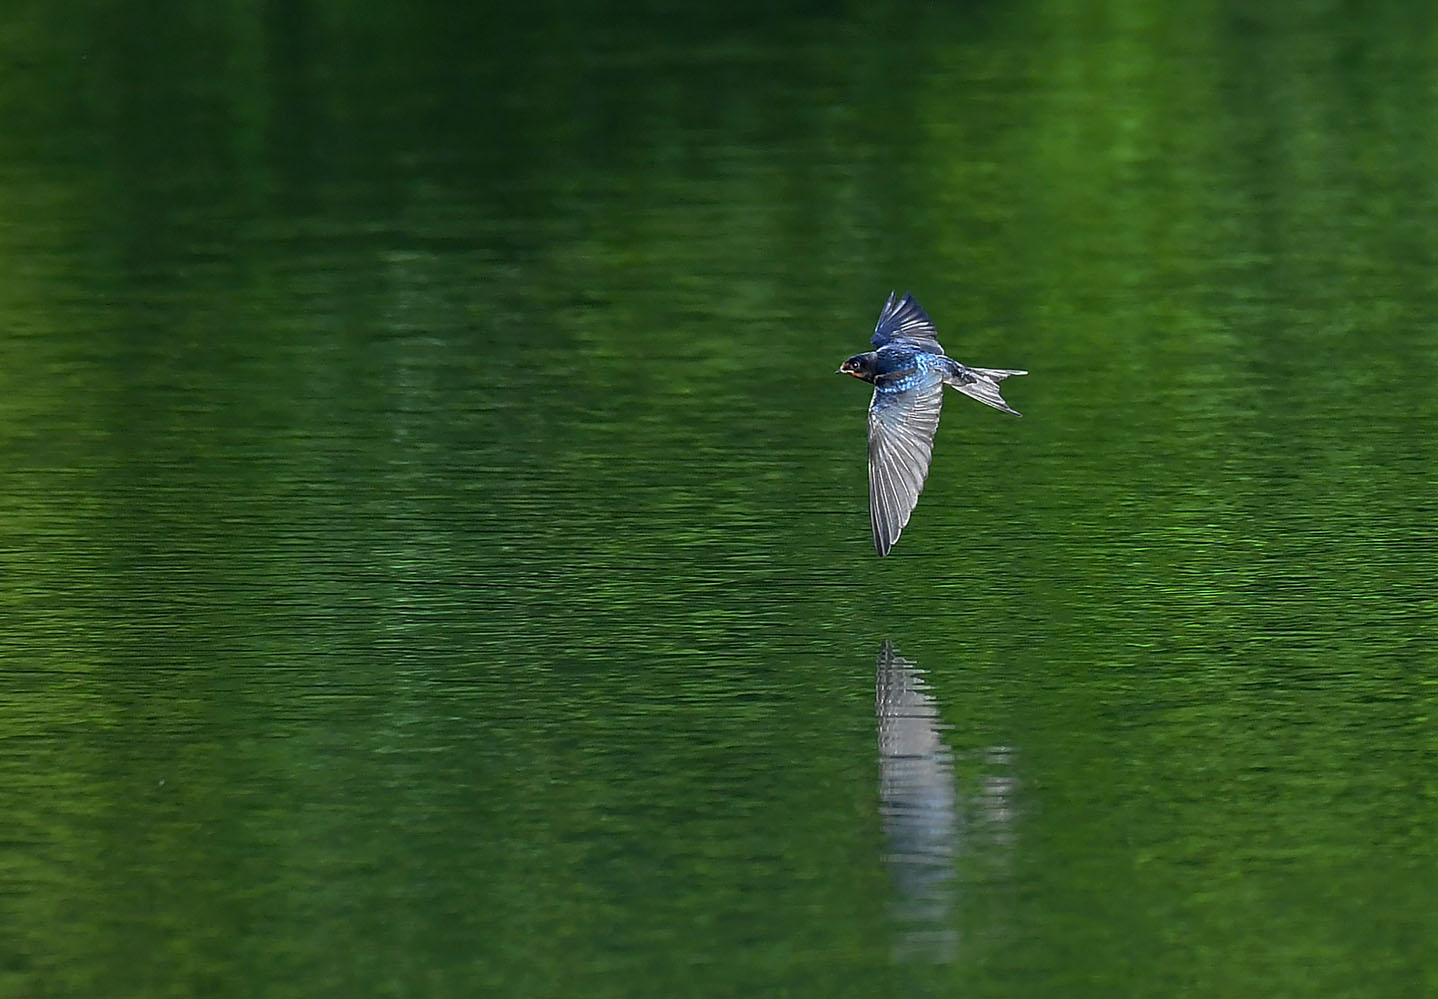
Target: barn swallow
(908,370)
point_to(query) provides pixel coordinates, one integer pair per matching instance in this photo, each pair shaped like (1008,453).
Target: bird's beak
(839,371)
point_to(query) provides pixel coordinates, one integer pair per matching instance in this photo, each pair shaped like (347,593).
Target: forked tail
(996,374)
(983,384)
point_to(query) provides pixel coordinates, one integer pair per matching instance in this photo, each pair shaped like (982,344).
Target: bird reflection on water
(922,814)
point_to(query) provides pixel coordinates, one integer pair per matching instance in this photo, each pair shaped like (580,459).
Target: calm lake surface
(435,555)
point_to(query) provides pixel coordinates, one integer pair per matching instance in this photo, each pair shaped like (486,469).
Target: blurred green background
(434,556)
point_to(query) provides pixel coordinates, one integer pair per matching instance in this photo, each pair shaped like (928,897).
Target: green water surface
(434,557)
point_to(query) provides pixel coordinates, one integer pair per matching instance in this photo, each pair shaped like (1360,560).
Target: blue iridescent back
(901,366)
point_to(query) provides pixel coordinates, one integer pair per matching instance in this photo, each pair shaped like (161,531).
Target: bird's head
(860,366)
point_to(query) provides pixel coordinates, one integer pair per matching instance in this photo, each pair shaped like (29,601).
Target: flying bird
(908,370)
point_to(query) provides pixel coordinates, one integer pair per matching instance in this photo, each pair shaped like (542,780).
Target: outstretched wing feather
(903,319)
(902,424)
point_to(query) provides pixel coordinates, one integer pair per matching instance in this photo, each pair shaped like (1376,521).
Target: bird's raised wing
(901,441)
(904,319)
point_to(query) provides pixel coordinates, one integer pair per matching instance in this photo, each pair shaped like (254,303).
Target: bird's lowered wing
(904,319)
(901,441)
